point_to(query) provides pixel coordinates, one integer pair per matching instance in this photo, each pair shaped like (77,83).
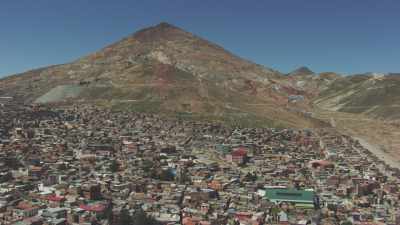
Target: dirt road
(376,150)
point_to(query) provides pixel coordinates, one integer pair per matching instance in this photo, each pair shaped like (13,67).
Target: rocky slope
(166,69)
(375,95)
(310,83)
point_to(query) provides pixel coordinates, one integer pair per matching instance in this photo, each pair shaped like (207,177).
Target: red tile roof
(93,208)
(55,198)
(240,152)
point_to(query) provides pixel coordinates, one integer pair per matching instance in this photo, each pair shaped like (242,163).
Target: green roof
(289,195)
(223,148)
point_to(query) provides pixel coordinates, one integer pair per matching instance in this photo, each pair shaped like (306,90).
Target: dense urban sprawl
(85,165)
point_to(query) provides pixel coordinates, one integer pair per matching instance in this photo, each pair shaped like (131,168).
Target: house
(105,150)
(26,210)
(97,208)
(36,220)
(223,149)
(54,200)
(215,185)
(323,164)
(91,191)
(36,171)
(238,156)
(55,213)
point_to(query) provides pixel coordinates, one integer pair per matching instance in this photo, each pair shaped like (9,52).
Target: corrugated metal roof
(289,195)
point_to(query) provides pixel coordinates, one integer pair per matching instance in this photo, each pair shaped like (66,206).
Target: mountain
(376,95)
(302,71)
(165,69)
(309,82)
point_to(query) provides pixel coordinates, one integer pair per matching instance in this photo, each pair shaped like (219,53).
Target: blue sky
(346,36)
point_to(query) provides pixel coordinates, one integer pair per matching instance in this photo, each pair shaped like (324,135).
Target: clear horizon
(339,36)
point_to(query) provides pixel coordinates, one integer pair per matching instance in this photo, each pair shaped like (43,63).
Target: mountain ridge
(168,69)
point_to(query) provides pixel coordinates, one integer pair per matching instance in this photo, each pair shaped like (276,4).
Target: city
(84,165)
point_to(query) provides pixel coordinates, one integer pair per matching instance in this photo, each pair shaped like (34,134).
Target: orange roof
(55,198)
(188,221)
(36,168)
(25,206)
(93,208)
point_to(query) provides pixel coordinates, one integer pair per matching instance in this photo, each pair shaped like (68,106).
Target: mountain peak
(165,25)
(301,71)
(161,31)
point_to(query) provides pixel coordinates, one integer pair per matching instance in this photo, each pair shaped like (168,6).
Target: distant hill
(302,71)
(310,83)
(376,95)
